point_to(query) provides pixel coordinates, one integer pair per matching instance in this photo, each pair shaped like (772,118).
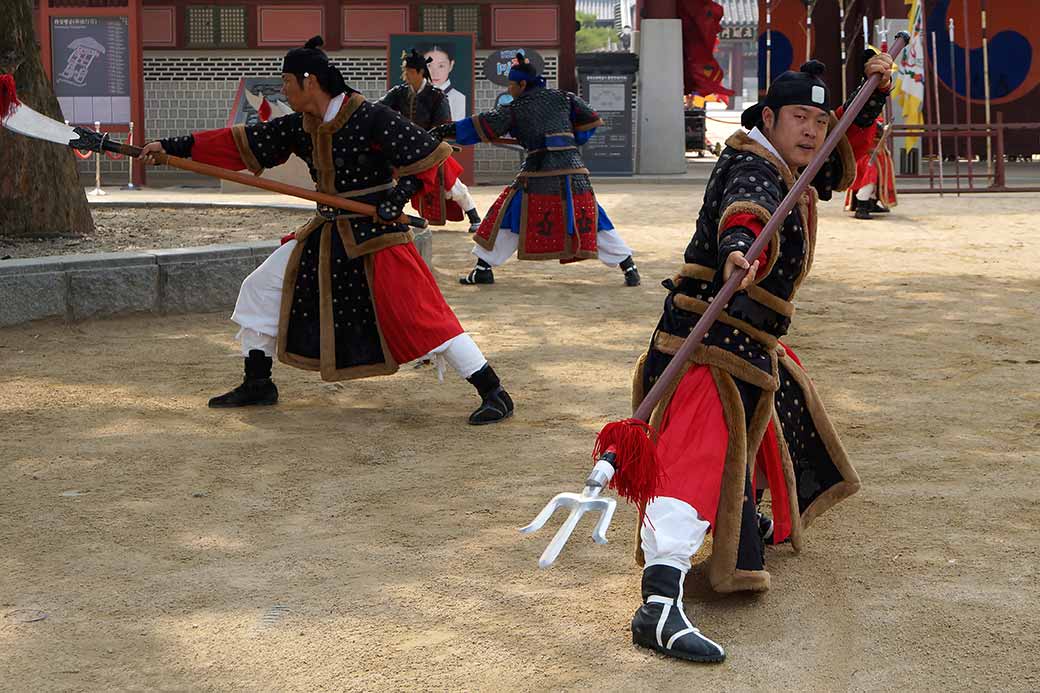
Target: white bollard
(97,168)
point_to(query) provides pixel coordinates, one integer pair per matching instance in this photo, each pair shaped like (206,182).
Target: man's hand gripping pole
(588,500)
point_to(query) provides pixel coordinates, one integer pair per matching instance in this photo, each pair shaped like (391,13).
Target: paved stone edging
(75,287)
(177,280)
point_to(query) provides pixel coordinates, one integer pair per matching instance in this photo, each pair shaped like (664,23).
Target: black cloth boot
(877,208)
(256,388)
(480,274)
(495,404)
(474,219)
(660,624)
(628,266)
(862,212)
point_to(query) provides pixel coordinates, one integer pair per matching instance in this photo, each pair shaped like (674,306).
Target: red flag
(701,21)
(264,112)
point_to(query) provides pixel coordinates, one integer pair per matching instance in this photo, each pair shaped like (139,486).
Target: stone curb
(75,287)
(203,279)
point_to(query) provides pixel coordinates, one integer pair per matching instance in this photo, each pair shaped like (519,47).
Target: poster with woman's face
(451,65)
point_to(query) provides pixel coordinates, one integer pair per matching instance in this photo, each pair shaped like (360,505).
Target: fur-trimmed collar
(740,141)
(311,124)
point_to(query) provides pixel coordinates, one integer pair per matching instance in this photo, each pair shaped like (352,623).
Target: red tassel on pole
(8,96)
(634,443)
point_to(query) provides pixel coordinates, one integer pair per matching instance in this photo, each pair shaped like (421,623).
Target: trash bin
(695,130)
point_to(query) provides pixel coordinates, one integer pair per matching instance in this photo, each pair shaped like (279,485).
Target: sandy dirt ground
(147,228)
(359,536)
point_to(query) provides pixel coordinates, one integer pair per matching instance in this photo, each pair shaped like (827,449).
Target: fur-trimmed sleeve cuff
(238,133)
(743,207)
(438,156)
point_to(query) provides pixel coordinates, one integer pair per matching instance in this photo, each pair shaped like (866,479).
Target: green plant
(591,37)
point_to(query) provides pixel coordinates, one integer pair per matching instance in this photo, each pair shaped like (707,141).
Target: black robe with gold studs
(328,319)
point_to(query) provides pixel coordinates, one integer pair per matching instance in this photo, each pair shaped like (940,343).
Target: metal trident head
(587,501)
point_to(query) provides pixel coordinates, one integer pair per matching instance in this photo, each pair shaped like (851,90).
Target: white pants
(259,307)
(460,193)
(612,248)
(672,533)
(866,193)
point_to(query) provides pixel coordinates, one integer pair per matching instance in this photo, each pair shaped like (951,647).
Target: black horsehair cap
(804,87)
(309,59)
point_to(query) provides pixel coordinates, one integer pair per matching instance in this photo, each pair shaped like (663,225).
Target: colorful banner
(908,93)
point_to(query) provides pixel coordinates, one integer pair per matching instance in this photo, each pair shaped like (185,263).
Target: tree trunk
(40,191)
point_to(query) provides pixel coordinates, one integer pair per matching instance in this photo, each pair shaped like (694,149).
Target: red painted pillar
(43,30)
(134,21)
(565,69)
(333,25)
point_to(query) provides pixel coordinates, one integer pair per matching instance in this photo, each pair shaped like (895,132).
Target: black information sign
(610,150)
(91,59)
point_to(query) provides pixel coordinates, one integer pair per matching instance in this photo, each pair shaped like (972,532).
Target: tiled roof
(739,13)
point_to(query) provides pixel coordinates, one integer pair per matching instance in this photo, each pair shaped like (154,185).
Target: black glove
(178,146)
(444,132)
(392,206)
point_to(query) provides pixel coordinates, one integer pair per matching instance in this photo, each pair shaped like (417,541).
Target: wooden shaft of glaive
(272,185)
(678,361)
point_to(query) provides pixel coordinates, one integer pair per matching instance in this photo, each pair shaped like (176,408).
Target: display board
(610,150)
(451,66)
(451,70)
(91,68)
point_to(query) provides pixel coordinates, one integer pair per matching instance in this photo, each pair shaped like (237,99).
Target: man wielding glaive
(348,295)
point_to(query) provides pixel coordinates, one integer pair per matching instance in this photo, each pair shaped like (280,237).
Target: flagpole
(844,56)
(967,95)
(985,82)
(808,29)
(938,118)
(769,41)
(926,80)
(953,98)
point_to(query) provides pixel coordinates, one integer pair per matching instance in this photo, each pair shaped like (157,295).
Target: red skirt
(412,312)
(692,448)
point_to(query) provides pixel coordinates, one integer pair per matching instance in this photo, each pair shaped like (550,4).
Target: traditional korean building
(195,52)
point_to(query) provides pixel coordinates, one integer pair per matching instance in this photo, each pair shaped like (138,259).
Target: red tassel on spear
(626,451)
(8,96)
